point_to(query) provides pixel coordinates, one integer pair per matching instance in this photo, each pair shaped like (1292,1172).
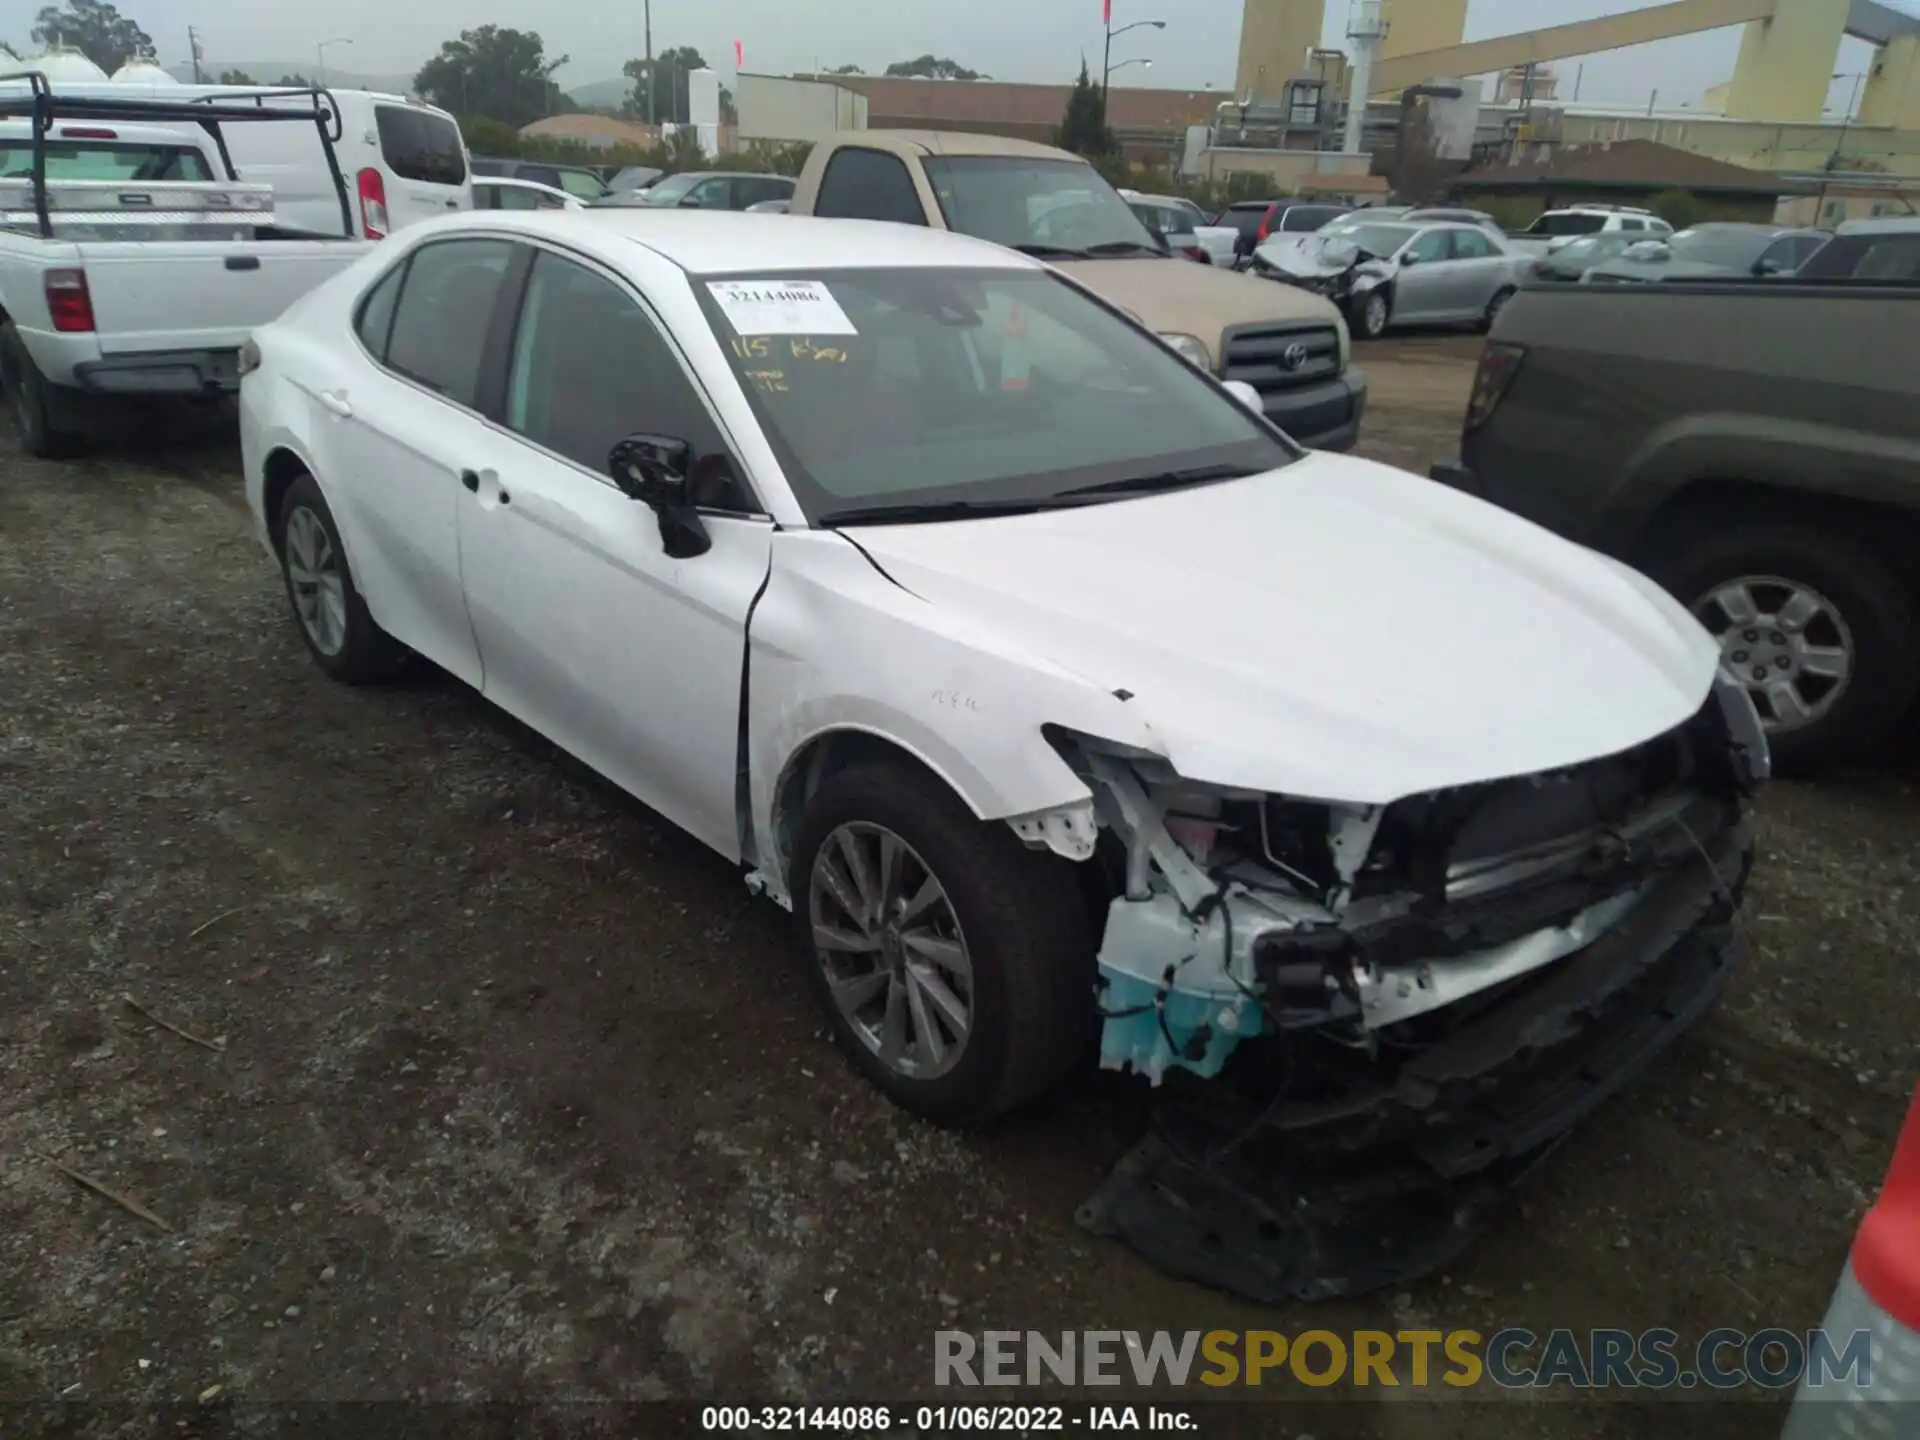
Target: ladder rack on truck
(43,107)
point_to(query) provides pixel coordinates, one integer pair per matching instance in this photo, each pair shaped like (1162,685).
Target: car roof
(737,243)
(960,142)
(1880,225)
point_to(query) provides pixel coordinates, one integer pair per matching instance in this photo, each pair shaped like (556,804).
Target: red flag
(1106,12)
(739,55)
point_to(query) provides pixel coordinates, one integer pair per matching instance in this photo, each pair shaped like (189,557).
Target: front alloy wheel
(891,947)
(1374,314)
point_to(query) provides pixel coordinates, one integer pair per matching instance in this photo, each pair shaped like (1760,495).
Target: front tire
(1494,307)
(29,399)
(340,632)
(1818,626)
(955,965)
(1372,315)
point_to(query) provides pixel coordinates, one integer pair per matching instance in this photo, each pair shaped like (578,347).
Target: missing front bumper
(1386,1164)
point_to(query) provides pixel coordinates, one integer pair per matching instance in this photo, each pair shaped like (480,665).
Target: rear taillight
(1498,365)
(373,204)
(1542,270)
(1266,225)
(68,302)
(249,358)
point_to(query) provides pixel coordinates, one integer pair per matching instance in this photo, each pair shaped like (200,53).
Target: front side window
(590,368)
(1433,245)
(421,145)
(672,190)
(863,184)
(86,160)
(917,388)
(1046,207)
(446,303)
(714,194)
(1473,245)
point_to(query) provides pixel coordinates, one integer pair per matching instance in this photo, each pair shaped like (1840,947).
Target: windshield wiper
(1165,480)
(1108,249)
(931,510)
(1051,252)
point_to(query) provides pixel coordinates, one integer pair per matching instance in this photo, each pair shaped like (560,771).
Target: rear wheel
(954,964)
(1818,627)
(341,634)
(29,401)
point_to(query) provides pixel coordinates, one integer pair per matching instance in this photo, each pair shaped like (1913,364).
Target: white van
(403,160)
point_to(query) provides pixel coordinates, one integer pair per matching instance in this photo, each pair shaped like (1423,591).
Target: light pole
(1107,67)
(1833,160)
(1143,64)
(320,56)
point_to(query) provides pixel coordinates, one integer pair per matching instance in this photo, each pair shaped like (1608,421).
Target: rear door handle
(336,401)
(243,262)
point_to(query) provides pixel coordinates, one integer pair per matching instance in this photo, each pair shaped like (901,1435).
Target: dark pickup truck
(1752,445)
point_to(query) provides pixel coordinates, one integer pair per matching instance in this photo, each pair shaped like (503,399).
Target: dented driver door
(626,656)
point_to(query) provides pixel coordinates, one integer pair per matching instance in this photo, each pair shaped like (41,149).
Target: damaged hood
(1335,629)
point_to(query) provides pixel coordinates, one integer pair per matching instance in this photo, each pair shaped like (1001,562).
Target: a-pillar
(1786,63)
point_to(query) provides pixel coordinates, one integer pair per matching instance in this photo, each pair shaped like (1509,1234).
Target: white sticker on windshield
(780,307)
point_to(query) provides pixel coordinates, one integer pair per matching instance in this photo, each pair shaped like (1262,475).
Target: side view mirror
(1767,267)
(1409,259)
(692,203)
(1246,395)
(653,469)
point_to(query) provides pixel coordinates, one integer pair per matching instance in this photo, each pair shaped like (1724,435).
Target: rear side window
(440,327)
(869,185)
(421,146)
(1887,259)
(375,320)
(73,160)
(1568,225)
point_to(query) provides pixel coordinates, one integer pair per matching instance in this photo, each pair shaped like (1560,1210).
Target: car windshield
(902,394)
(1735,249)
(1589,248)
(1036,204)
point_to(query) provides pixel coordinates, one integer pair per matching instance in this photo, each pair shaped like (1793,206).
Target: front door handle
(471,479)
(336,401)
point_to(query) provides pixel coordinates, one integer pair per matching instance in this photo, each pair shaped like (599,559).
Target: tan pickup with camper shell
(1290,346)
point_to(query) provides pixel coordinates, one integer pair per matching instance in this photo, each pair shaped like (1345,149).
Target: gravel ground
(500,1089)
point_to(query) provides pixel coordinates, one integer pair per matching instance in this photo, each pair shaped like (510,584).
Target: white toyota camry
(1057,694)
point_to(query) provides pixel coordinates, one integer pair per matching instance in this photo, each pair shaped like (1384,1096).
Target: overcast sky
(1039,40)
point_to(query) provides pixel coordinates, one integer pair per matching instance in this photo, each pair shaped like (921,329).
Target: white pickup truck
(133,264)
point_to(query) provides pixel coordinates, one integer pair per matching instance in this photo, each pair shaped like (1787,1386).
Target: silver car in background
(1396,272)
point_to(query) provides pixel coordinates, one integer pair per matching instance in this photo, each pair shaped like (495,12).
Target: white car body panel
(1435,644)
(1218,241)
(1333,629)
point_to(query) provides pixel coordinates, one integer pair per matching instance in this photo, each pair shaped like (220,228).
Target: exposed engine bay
(1370,1020)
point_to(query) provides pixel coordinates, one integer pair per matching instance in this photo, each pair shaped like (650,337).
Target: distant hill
(268,71)
(612,93)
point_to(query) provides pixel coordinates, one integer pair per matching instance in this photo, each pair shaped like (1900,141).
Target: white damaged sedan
(1062,699)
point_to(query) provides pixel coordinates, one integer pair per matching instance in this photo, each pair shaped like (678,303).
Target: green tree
(97,30)
(661,90)
(846,70)
(1679,208)
(930,67)
(236,77)
(294,82)
(1083,129)
(493,138)
(504,74)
